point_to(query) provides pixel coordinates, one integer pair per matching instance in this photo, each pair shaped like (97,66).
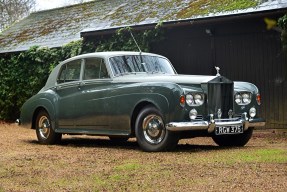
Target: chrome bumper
(210,125)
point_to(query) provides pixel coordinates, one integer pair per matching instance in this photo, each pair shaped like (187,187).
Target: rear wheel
(233,140)
(151,133)
(44,131)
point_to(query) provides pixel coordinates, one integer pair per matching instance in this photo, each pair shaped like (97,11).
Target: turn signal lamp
(182,100)
(258,99)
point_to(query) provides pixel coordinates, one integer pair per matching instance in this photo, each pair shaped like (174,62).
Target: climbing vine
(123,40)
(24,74)
(282,22)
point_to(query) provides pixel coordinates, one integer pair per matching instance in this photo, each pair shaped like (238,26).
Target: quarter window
(70,72)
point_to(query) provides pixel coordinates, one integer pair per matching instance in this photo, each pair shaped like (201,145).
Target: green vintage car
(134,94)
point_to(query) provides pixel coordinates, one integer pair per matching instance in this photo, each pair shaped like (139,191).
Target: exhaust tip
(18,122)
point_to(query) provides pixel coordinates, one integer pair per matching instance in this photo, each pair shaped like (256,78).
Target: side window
(70,72)
(95,68)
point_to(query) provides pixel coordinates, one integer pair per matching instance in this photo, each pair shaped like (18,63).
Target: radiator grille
(220,96)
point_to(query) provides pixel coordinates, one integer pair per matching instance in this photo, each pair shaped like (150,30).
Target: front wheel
(233,140)
(151,133)
(44,131)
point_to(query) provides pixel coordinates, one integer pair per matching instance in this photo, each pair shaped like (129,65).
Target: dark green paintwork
(108,106)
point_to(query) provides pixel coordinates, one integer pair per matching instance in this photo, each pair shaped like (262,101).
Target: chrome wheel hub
(153,129)
(44,127)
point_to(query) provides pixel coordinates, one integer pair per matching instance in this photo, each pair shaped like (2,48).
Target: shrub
(24,74)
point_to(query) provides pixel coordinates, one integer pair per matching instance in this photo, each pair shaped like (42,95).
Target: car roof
(109,54)
(52,77)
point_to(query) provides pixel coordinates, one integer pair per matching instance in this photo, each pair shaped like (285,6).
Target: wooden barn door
(244,50)
(259,59)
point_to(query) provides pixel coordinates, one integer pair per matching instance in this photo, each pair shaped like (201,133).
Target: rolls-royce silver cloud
(133,94)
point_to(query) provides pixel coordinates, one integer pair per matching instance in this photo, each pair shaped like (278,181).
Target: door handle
(80,84)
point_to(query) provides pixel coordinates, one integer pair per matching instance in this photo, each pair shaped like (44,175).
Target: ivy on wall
(122,40)
(23,74)
(282,22)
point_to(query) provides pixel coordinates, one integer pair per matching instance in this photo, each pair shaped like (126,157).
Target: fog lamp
(193,114)
(252,112)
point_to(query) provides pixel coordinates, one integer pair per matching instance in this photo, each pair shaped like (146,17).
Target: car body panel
(109,105)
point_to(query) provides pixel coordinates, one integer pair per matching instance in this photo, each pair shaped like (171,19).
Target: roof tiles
(56,27)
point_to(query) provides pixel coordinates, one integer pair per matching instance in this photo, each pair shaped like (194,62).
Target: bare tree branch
(14,10)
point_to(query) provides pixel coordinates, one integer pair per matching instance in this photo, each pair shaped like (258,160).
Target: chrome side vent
(199,117)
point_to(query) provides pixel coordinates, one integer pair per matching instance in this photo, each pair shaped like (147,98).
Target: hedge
(24,74)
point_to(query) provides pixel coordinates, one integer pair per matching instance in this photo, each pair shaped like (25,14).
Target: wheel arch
(35,114)
(46,106)
(162,99)
(136,112)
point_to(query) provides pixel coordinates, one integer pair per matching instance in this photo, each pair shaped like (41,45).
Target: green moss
(235,157)
(203,7)
(128,167)
(178,10)
(99,181)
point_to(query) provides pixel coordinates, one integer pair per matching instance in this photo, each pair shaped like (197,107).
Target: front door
(92,101)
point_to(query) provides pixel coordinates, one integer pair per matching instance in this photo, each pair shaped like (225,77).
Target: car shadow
(128,145)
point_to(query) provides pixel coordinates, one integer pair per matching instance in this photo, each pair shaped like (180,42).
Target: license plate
(228,130)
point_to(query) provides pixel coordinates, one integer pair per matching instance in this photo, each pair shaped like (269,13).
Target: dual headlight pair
(197,99)
(194,99)
(243,98)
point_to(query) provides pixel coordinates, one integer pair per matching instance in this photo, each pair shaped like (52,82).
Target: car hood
(185,80)
(179,79)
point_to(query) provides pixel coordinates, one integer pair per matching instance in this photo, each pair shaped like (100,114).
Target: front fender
(165,96)
(245,86)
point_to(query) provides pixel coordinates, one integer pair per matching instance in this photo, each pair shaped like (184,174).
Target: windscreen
(128,64)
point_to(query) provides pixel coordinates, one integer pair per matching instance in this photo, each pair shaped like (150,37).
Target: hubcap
(44,127)
(153,129)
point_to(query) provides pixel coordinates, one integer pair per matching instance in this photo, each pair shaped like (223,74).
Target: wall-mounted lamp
(208,32)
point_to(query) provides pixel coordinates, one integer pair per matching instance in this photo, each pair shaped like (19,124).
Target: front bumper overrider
(210,125)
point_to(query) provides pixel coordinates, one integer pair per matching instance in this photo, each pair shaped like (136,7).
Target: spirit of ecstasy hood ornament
(217,69)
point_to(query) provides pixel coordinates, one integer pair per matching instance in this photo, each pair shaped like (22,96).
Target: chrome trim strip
(186,126)
(229,123)
(210,126)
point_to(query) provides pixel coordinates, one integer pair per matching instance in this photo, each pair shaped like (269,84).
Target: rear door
(67,89)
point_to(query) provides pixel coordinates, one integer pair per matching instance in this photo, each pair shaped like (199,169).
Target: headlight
(194,99)
(189,100)
(246,98)
(238,99)
(198,99)
(243,98)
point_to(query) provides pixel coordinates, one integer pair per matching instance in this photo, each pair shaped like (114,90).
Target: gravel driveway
(96,164)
